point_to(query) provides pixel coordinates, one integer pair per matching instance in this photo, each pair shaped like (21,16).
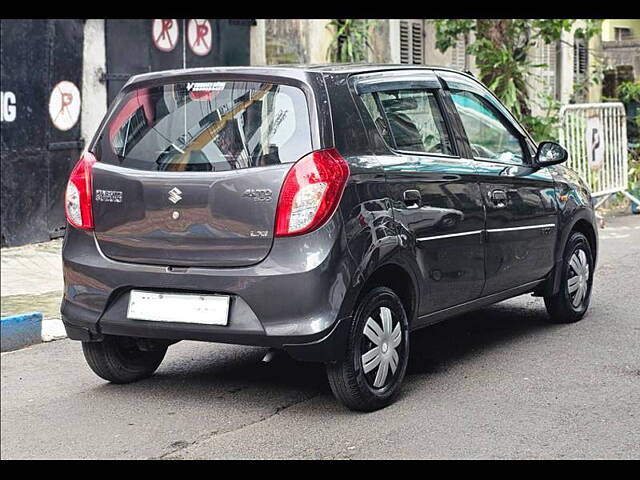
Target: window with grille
(411,42)
(458,53)
(622,33)
(580,68)
(580,59)
(545,55)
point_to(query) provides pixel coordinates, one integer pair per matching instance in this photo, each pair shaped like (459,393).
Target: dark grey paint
(301,294)
(216,224)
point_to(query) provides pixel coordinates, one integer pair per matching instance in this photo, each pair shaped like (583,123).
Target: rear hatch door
(189,173)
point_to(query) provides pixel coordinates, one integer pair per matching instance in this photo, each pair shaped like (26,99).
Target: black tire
(563,307)
(347,378)
(119,360)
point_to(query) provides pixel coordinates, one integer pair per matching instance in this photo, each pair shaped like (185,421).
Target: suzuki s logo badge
(175,195)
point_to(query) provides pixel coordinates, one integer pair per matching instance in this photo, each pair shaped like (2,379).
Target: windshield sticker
(205,86)
(204,91)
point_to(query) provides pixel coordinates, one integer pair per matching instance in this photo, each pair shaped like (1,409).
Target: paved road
(498,383)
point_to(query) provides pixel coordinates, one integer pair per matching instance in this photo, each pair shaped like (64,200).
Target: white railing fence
(595,136)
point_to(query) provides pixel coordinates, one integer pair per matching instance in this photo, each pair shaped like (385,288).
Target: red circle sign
(164,34)
(199,36)
(64,105)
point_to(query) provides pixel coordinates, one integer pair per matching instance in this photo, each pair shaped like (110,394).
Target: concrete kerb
(19,331)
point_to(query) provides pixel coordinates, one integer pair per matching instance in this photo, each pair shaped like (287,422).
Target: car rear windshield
(207,126)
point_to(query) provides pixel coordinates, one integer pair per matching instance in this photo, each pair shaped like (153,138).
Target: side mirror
(550,153)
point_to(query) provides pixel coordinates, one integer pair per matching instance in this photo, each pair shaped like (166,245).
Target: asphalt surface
(498,383)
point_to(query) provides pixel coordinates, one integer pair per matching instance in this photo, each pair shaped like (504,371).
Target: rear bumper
(324,347)
(291,300)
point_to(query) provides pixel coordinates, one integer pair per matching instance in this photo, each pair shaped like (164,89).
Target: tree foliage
(350,41)
(502,52)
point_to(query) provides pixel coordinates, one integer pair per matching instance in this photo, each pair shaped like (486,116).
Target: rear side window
(207,126)
(409,120)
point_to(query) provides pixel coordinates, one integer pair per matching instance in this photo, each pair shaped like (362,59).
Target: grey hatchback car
(326,211)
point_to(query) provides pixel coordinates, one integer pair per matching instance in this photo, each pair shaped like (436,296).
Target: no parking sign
(64,105)
(165,34)
(199,36)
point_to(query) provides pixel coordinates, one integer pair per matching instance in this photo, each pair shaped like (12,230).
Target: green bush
(628,92)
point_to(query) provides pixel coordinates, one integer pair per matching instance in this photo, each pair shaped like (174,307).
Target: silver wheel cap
(384,355)
(579,282)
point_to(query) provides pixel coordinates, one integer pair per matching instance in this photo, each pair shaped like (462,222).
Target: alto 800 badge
(112,196)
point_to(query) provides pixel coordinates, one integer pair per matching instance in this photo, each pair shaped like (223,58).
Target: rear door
(520,203)
(189,172)
(436,197)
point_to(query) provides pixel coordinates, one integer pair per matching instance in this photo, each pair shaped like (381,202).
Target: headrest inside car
(399,104)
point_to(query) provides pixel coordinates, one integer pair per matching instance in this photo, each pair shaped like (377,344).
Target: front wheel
(570,303)
(120,360)
(370,375)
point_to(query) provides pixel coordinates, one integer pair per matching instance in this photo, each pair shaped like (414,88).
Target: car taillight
(311,192)
(77,202)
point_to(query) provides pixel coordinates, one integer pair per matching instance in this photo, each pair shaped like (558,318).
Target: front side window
(409,120)
(207,126)
(489,137)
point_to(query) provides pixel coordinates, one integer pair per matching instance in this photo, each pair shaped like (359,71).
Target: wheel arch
(587,229)
(398,279)
(582,222)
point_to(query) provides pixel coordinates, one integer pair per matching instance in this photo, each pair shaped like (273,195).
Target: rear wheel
(570,303)
(370,375)
(120,359)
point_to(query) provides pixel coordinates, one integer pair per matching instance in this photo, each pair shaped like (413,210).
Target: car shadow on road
(226,371)
(439,346)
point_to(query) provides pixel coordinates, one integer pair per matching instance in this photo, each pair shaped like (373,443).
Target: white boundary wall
(94,91)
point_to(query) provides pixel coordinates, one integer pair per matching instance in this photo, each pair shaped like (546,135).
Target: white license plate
(178,307)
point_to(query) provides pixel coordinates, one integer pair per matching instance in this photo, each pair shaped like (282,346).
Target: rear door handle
(499,198)
(412,198)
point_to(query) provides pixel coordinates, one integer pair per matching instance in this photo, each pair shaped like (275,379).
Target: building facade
(621,44)
(569,63)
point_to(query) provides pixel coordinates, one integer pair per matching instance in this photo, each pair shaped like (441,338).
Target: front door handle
(499,198)
(412,198)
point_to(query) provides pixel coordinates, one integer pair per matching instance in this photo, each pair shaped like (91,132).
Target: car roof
(366,67)
(285,70)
